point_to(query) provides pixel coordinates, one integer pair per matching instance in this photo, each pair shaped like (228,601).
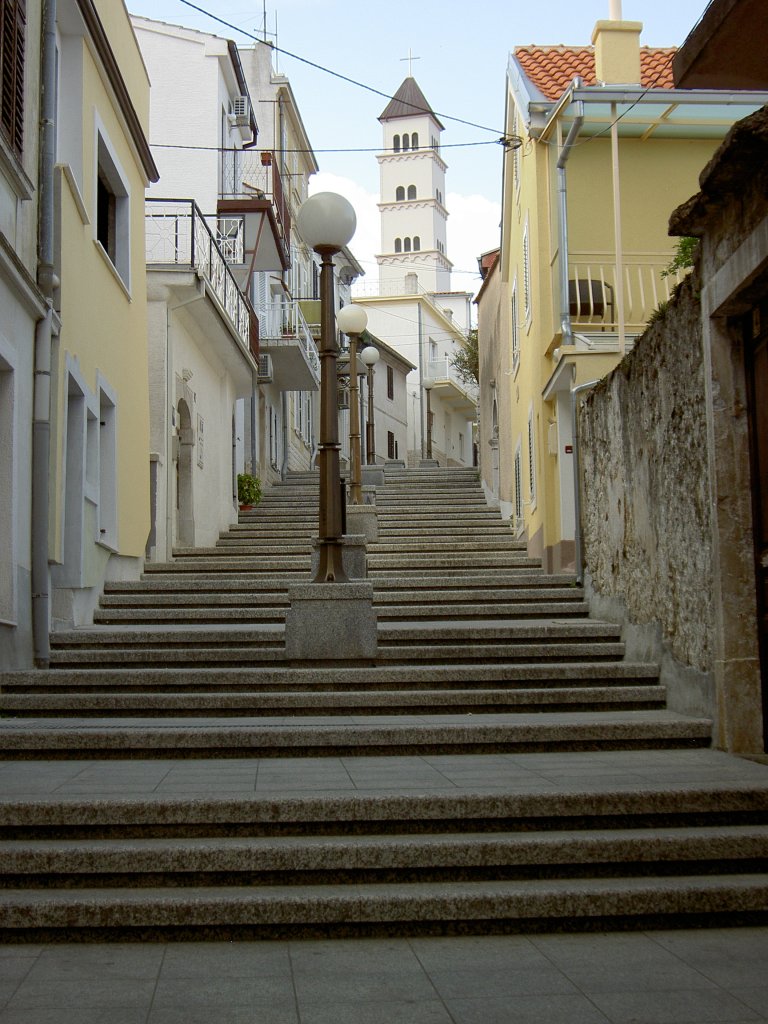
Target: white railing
(593,294)
(283,323)
(177,234)
(399,286)
(442,370)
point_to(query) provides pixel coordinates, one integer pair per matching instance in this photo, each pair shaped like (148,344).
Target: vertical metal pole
(355,493)
(369,430)
(429,422)
(330,568)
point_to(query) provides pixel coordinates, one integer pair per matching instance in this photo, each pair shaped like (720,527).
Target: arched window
(411,191)
(400,193)
(396,143)
(398,245)
(415,140)
(416,243)
(407,245)
(406,141)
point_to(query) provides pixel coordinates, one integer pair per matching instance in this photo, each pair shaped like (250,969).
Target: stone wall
(645,498)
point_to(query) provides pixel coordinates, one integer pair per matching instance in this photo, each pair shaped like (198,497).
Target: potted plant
(248,490)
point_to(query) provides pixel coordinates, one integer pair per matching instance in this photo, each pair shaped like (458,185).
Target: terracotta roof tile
(552,68)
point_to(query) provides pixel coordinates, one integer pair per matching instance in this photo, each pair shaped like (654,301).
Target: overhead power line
(504,139)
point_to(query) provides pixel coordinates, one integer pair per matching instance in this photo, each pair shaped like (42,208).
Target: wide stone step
(476,560)
(274,910)
(446,545)
(203,615)
(438,609)
(337,737)
(312,702)
(194,679)
(291,860)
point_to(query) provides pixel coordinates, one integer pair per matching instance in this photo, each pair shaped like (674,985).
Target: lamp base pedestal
(353,555)
(363,520)
(374,476)
(331,622)
(429,464)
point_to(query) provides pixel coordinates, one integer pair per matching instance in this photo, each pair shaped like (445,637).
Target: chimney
(617,49)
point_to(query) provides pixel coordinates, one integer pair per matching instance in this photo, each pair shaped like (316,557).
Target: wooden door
(756,352)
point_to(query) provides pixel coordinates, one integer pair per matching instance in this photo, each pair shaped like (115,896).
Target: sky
(460,56)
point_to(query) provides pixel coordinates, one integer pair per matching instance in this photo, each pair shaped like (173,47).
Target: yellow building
(99,512)
(602,148)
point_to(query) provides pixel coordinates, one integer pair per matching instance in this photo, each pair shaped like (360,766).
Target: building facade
(601,148)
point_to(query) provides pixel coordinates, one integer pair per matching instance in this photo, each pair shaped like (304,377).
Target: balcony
(180,238)
(449,387)
(594,298)
(287,338)
(252,205)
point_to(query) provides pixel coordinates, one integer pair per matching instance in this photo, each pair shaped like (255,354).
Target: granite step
(333,736)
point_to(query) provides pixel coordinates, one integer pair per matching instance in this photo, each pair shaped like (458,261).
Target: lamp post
(326,222)
(427,383)
(370,356)
(352,321)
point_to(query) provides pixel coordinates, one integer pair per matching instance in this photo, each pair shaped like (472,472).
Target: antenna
(264,21)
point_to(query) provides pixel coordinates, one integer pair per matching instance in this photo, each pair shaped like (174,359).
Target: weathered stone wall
(646,510)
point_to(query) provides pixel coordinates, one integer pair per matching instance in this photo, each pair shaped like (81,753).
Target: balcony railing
(283,323)
(252,174)
(442,371)
(593,295)
(178,234)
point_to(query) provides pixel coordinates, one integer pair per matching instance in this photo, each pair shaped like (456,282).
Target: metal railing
(592,289)
(253,174)
(442,370)
(178,234)
(283,323)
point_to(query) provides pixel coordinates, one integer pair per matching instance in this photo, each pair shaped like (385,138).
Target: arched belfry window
(411,191)
(398,245)
(416,243)
(415,140)
(407,245)
(396,143)
(399,193)
(406,141)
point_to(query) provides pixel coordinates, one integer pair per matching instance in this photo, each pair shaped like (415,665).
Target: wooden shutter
(12,21)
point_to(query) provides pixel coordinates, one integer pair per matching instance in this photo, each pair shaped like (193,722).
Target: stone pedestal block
(363,519)
(373,476)
(330,621)
(429,464)
(353,555)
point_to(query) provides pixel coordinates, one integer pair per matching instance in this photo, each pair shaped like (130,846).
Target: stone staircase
(500,765)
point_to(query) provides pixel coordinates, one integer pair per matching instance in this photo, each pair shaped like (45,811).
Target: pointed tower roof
(408,101)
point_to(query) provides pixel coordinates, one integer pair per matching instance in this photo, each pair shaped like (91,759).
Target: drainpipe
(254,422)
(579,543)
(47,280)
(284,417)
(565,313)
(421,378)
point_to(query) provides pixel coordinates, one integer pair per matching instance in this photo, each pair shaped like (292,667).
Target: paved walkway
(674,977)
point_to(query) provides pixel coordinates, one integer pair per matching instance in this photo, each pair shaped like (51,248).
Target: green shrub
(248,489)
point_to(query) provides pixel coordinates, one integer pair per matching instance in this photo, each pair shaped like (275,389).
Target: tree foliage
(685,253)
(466,362)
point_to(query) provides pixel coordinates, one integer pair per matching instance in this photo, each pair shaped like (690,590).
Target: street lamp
(427,383)
(352,321)
(326,222)
(370,356)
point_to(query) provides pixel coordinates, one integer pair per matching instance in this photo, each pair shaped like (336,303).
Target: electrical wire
(345,78)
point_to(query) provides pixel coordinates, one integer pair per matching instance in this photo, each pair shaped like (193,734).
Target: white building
(203,330)
(412,306)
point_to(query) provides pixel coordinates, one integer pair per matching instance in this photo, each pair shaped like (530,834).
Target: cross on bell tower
(410,58)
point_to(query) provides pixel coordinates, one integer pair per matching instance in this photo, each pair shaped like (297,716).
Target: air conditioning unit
(265,369)
(240,115)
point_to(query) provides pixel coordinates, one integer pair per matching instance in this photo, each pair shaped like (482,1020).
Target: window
(406,141)
(518,485)
(513,328)
(415,140)
(391,445)
(531,457)
(527,272)
(416,243)
(398,245)
(399,194)
(411,191)
(12,21)
(112,210)
(396,143)
(407,245)
(390,382)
